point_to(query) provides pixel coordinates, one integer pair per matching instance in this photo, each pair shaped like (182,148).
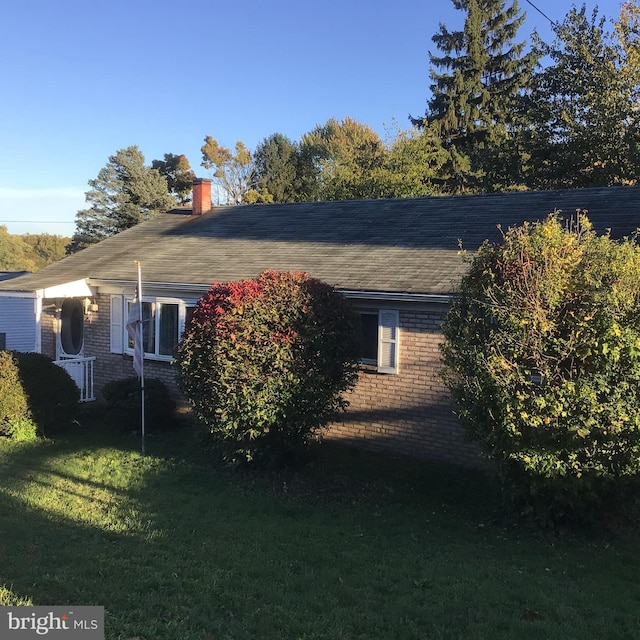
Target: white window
(380,339)
(163,324)
(162,319)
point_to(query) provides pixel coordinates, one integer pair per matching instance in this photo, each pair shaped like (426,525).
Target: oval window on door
(71,326)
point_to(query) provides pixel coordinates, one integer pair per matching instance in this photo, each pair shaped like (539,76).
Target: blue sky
(84,79)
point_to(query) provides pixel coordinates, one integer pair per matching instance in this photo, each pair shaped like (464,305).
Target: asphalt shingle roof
(404,245)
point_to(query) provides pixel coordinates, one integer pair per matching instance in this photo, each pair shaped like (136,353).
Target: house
(8,275)
(18,315)
(398,260)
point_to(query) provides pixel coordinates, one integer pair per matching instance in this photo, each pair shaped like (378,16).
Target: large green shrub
(123,399)
(265,362)
(51,393)
(14,408)
(35,395)
(542,355)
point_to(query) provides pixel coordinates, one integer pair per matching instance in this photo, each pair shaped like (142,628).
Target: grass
(354,546)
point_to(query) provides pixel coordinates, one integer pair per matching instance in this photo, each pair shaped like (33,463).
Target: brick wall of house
(114,366)
(408,413)
(48,322)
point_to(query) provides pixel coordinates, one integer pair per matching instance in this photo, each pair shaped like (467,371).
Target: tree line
(31,251)
(500,117)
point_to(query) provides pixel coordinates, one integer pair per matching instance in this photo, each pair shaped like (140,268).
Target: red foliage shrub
(265,362)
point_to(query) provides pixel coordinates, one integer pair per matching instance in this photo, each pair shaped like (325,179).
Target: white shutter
(388,341)
(117,330)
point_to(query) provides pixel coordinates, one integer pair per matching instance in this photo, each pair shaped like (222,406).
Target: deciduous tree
(542,356)
(584,105)
(412,166)
(30,252)
(344,156)
(234,173)
(13,253)
(45,248)
(178,174)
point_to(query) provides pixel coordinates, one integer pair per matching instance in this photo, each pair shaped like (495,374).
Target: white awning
(75,289)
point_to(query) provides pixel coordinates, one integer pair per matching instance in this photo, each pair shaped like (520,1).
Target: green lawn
(353,546)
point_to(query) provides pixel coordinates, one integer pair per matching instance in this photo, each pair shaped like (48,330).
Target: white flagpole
(141,338)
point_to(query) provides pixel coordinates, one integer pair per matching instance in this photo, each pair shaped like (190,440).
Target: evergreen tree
(125,193)
(478,81)
(278,168)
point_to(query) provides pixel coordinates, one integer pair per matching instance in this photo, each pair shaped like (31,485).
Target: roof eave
(355,294)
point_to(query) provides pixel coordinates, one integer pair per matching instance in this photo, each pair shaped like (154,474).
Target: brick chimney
(201,196)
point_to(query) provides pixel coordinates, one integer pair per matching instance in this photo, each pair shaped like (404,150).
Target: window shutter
(388,341)
(117,330)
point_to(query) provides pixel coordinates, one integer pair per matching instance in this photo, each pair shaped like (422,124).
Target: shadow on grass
(353,545)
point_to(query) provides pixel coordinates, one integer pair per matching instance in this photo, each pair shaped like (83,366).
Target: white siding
(18,322)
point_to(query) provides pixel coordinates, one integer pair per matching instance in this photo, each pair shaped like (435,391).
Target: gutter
(198,289)
(395,296)
(372,296)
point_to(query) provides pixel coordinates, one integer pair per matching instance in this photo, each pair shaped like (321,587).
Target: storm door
(71,335)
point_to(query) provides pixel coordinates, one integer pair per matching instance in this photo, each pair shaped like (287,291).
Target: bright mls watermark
(68,623)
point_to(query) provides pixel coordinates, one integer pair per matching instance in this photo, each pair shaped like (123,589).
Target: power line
(37,221)
(542,13)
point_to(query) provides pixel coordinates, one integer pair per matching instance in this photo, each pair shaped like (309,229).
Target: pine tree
(125,193)
(478,81)
(278,167)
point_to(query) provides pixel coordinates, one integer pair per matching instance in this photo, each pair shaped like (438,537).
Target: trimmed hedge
(34,390)
(52,395)
(13,399)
